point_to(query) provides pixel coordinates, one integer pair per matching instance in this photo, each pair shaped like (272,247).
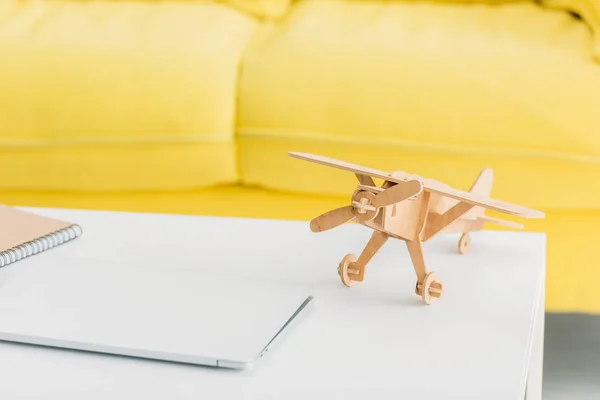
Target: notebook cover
(18,227)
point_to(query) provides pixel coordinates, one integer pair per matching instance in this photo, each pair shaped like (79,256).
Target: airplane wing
(428,185)
(330,162)
(396,176)
(482,201)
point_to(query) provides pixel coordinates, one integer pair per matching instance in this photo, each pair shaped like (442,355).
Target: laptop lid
(171,314)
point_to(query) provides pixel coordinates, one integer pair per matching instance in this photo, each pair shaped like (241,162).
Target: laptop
(170,314)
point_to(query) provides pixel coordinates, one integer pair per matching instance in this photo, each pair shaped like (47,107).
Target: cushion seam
(122,140)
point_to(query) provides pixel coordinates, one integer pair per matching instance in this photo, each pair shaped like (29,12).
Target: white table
(482,340)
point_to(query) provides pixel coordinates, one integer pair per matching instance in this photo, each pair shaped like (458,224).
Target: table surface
(373,340)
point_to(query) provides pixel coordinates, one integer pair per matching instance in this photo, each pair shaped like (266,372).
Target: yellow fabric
(571,236)
(118,167)
(434,89)
(119,95)
(268,9)
(588,10)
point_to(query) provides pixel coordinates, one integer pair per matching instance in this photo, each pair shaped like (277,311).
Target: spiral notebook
(24,234)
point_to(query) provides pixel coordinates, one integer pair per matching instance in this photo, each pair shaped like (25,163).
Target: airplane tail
(483,184)
(482,187)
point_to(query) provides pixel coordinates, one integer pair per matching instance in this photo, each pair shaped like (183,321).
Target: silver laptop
(171,314)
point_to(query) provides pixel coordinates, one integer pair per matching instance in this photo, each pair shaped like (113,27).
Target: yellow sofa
(190,107)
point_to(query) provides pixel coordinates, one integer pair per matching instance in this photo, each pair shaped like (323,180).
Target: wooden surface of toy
(414,209)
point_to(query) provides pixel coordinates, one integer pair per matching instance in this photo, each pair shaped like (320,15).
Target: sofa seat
(119,95)
(440,90)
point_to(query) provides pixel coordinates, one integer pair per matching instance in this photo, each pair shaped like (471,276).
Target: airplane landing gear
(430,288)
(464,243)
(345,270)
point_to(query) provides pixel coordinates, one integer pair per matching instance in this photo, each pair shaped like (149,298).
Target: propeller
(398,193)
(332,218)
(339,216)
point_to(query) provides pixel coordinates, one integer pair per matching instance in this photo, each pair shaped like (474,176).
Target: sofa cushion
(440,90)
(267,9)
(119,95)
(588,10)
(264,9)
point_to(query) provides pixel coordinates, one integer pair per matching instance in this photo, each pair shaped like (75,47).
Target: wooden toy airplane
(413,209)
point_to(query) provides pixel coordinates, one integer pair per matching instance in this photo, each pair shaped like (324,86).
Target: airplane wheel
(464,243)
(432,288)
(343,269)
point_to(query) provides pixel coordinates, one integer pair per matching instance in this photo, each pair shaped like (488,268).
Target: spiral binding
(39,245)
